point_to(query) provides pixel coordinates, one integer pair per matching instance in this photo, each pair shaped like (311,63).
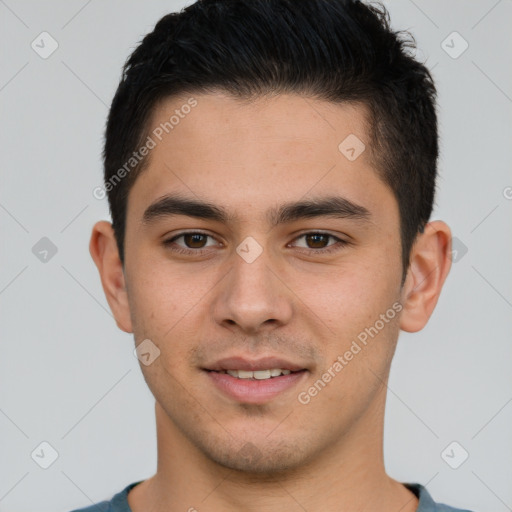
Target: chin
(259,460)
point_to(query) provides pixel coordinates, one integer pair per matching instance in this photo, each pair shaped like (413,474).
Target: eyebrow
(332,206)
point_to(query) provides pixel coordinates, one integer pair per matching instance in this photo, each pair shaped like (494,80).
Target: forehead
(244,155)
(296,119)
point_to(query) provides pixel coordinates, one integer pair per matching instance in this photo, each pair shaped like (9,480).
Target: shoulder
(104,506)
(441,507)
(427,503)
(118,503)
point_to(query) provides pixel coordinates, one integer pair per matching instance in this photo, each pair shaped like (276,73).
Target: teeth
(258,375)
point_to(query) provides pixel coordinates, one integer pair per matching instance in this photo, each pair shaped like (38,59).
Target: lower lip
(255,391)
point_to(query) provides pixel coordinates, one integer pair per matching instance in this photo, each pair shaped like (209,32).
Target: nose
(253,297)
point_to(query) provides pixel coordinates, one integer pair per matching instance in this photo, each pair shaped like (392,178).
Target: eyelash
(328,250)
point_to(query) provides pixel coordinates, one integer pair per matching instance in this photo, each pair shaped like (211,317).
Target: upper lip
(243,363)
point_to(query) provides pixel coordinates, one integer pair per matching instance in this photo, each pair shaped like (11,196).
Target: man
(270,168)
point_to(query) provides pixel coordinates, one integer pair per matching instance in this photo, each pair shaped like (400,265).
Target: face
(256,282)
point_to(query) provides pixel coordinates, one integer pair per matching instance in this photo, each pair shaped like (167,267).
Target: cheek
(350,300)
(154,305)
(360,342)
(354,289)
(167,307)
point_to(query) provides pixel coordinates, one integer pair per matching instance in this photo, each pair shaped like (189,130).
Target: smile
(257,375)
(255,387)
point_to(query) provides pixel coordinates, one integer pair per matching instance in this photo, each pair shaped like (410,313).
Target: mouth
(254,382)
(258,374)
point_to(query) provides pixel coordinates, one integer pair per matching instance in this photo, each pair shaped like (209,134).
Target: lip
(264,363)
(255,391)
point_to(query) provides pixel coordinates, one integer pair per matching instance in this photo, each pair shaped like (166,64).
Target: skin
(248,157)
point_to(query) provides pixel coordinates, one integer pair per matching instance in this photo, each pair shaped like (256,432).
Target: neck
(348,476)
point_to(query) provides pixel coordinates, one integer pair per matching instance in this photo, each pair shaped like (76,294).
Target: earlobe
(430,263)
(104,252)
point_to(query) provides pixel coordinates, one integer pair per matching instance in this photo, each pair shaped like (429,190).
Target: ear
(104,252)
(429,265)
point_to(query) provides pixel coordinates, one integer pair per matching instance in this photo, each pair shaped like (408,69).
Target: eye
(319,240)
(195,242)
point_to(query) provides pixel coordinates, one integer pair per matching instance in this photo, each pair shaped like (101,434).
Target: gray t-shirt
(119,503)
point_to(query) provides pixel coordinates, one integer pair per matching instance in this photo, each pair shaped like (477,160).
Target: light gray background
(68,375)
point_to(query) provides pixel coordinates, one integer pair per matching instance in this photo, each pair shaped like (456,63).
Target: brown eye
(317,240)
(318,243)
(190,243)
(195,240)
